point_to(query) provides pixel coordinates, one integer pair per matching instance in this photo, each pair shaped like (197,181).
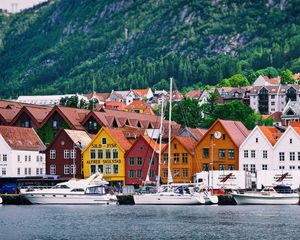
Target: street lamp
(76,145)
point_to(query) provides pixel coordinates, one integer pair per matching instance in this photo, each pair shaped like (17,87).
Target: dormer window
(104,141)
(55,124)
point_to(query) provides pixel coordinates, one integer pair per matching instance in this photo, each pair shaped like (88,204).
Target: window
(116,168)
(131,173)
(175,146)
(205,153)
(66,169)
(176,173)
(19,158)
(264,167)
(230,167)
(281,167)
(231,153)
(139,161)
(29,171)
(100,168)
(205,167)
(26,124)
(73,153)
(272,96)
(100,153)
(292,156)
(55,124)
(298,156)
(108,169)
(67,154)
(41,158)
(223,136)
(19,171)
(184,158)
(37,171)
(245,167)
(292,167)
(52,169)
(185,172)
(165,158)
(107,154)
(221,153)
(115,154)
(4,158)
(29,158)
(25,171)
(272,103)
(176,158)
(141,148)
(246,153)
(52,154)
(281,156)
(3,171)
(25,158)
(139,173)
(165,173)
(252,168)
(151,174)
(131,161)
(252,153)
(291,140)
(222,167)
(103,141)
(37,158)
(92,153)
(41,171)
(265,154)
(256,140)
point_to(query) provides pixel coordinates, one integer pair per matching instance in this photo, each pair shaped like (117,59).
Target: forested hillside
(60,46)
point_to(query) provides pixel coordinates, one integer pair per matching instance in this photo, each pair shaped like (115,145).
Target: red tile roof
(137,104)
(101,96)
(115,105)
(141,92)
(194,94)
(8,114)
(271,133)
(22,138)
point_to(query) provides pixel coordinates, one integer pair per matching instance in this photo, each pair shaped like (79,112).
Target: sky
(22,4)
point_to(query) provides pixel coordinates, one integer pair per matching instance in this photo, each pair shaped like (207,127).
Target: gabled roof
(272,134)
(176,95)
(98,116)
(188,143)
(101,96)
(195,94)
(141,92)
(115,105)
(37,113)
(73,116)
(78,136)
(8,114)
(235,129)
(22,138)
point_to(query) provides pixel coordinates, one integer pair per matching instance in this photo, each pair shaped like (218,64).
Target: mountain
(61,46)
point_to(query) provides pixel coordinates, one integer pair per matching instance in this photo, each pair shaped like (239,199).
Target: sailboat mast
(160,139)
(169,144)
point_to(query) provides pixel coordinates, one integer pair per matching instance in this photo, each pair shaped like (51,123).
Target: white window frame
(52,154)
(53,169)
(66,154)
(66,169)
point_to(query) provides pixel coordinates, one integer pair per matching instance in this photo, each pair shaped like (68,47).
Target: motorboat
(169,196)
(278,195)
(209,197)
(92,190)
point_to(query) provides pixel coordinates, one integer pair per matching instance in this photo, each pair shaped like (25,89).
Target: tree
(234,81)
(188,113)
(287,77)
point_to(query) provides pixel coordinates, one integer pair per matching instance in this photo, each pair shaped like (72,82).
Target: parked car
(8,188)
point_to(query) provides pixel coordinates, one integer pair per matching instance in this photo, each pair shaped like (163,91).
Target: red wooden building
(138,159)
(64,151)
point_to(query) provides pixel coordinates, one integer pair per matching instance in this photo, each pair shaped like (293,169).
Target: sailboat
(168,195)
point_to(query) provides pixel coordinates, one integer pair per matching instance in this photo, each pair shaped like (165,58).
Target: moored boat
(86,191)
(279,195)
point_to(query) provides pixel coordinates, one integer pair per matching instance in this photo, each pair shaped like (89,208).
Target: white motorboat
(209,198)
(85,191)
(169,197)
(279,195)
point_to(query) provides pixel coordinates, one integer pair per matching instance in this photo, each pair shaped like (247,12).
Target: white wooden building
(20,152)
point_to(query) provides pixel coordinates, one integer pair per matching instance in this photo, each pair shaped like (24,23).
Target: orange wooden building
(181,161)
(218,149)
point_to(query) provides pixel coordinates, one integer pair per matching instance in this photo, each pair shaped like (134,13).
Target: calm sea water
(149,222)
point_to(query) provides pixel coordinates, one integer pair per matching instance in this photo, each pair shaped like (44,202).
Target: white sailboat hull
(167,199)
(71,199)
(259,199)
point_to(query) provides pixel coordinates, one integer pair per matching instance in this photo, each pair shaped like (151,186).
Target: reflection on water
(149,222)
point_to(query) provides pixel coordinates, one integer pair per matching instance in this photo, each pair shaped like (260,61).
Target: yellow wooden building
(182,157)
(105,154)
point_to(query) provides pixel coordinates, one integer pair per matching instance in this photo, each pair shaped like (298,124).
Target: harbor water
(149,222)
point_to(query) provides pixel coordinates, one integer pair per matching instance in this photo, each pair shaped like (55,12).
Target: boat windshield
(77,190)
